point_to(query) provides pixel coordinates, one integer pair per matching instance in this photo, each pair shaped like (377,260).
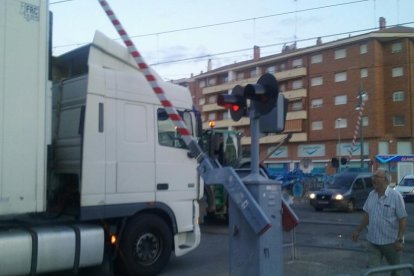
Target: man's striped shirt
(384,215)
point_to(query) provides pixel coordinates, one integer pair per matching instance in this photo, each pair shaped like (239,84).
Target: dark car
(347,191)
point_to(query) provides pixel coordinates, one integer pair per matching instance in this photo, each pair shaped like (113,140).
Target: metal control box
(253,254)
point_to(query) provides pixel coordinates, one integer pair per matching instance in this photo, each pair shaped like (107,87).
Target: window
(342,99)
(363,49)
(297,105)
(368,182)
(212,99)
(341,53)
(359,184)
(297,63)
(297,84)
(226,79)
(316,103)
(212,81)
(202,83)
(212,116)
(240,76)
(317,125)
(271,69)
(341,123)
(253,73)
(341,76)
(398,120)
(364,121)
(383,147)
(316,59)
(364,72)
(282,66)
(167,133)
(226,115)
(316,81)
(202,101)
(398,96)
(396,47)
(404,147)
(397,72)
(282,87)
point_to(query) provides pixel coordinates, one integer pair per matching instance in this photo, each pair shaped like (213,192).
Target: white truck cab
(90,164)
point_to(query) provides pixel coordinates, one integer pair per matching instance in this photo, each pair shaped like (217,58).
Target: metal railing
(389,268)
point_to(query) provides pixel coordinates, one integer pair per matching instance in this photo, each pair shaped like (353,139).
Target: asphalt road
(323,246)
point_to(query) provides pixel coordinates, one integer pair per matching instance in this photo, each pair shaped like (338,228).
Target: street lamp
(338,124)
(362,97)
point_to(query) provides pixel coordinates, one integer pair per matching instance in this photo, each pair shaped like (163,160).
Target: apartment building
(332,87)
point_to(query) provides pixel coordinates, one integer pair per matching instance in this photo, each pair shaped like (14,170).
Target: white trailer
(91,168)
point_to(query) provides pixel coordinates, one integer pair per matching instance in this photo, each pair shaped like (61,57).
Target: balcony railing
(280,76)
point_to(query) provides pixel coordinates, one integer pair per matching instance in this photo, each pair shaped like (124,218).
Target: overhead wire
(273,45)
(221,23)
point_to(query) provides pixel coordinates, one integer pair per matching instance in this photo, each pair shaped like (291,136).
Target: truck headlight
(312,196)
(339,197)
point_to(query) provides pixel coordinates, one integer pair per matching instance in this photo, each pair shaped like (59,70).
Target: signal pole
(252,254)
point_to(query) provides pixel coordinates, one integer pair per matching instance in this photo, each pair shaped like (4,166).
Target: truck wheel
(146,245)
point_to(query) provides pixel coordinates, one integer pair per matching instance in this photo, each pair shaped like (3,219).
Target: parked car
(406,188)
(347,191)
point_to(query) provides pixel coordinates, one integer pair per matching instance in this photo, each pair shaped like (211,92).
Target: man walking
(385,219)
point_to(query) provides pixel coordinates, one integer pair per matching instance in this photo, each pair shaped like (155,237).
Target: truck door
(176,173)
(135,151)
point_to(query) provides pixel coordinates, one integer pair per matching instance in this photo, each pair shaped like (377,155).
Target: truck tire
(146,245)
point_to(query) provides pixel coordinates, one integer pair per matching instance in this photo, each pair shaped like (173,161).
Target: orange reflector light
(212,123)
(113,239)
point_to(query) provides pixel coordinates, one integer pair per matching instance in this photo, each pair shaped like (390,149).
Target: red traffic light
(235,101)
(264,93)
(235,107)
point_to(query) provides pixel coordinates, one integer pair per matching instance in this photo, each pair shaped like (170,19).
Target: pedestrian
(385,218)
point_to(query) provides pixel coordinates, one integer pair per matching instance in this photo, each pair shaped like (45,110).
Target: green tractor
(224,146)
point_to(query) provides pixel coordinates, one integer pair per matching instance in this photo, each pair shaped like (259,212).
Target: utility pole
(339,125)
(362,97)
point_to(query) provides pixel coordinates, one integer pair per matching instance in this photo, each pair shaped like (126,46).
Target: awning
(383,159)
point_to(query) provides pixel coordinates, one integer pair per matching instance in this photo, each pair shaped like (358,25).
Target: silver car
(406,187)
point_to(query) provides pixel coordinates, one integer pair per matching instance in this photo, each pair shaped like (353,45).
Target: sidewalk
(332,262)
(311,261)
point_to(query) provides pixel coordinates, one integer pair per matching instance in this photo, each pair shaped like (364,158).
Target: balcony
(291,74)
(272,139)
(295,94)
(211,107)
(280,76)
(293,121)
(227,123)
(295,115)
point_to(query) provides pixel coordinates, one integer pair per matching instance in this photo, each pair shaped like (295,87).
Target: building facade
(332,88)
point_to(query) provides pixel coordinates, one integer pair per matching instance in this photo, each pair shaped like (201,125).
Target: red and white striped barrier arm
(356,132)
(171,111)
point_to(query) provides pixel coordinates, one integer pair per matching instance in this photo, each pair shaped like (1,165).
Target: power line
(272,45)
(221,23)
(61,1)
(247,19)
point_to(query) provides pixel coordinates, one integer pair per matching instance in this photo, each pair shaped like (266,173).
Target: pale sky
(157,27)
